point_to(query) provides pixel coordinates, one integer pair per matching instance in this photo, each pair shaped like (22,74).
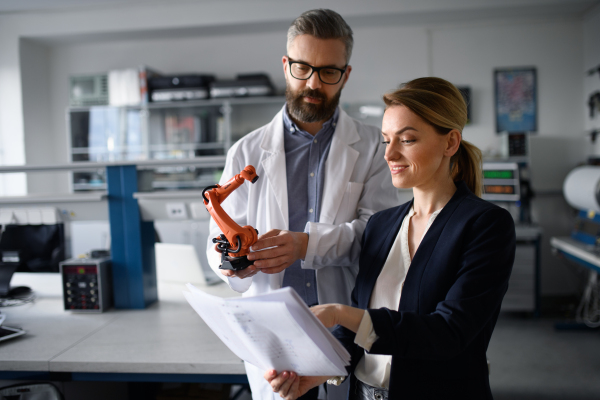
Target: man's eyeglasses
(327,75)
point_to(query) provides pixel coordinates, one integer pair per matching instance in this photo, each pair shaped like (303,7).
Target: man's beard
(310,112)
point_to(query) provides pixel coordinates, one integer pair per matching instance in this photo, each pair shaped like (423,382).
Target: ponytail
(465,166)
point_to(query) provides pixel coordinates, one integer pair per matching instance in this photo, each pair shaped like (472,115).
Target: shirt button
(315,141)
(312,174)
(307,284)
(310,210)
(292,130)
(334,124)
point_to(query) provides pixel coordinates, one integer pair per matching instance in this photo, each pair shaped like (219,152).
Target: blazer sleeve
(346,336)
(482,276)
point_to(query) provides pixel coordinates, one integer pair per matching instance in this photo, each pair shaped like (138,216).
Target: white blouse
(374,369)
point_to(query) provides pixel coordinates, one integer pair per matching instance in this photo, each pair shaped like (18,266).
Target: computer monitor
(29,248)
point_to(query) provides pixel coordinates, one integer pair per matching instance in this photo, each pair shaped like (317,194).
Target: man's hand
(290,386)
(244,273)
(283,248)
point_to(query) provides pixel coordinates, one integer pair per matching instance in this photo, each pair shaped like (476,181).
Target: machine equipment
(86,284)
(233,257)
(582,191)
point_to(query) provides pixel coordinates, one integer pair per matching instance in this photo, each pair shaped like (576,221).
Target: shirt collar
(290,126)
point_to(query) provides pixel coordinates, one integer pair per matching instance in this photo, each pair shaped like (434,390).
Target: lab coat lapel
(274,165)
(409,298)
(339,167)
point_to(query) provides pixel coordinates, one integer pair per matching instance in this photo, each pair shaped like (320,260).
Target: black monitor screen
(40,247)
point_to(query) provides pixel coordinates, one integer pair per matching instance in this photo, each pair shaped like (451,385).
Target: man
(322,175)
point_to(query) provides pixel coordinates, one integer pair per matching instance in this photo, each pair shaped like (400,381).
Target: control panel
(86,284)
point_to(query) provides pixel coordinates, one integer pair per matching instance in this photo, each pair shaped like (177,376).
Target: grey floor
(530,359)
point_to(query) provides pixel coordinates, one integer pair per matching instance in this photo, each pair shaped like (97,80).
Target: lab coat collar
(273,164)
(340,165)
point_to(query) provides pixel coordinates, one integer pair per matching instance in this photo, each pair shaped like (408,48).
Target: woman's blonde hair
(441,104)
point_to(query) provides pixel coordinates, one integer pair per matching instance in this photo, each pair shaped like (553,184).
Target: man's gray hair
(322,24)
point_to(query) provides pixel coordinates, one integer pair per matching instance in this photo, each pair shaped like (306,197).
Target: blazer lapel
(392,227)
(274,164)
(339,167)
(409,298)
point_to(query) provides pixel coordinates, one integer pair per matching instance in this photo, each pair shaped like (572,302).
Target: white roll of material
(582,188)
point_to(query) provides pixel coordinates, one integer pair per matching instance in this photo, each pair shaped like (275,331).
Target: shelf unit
(162,131)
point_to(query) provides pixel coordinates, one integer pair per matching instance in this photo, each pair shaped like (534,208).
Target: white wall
(469,54)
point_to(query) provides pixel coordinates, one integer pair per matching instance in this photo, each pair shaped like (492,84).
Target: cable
(17,301)
(588,311)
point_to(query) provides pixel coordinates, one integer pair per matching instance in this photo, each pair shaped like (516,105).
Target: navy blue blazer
(450,301)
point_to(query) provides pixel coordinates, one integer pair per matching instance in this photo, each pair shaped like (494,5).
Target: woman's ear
(454,138)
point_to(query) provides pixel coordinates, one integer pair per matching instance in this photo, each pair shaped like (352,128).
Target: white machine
(582,191)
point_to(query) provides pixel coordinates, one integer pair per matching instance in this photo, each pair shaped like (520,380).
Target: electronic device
(86,284)
(29,248)
(179,263)
(179,87)
(501,182)
(243,86)
(88,90)
(7,332)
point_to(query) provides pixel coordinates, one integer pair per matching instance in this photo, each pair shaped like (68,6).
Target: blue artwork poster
(516,100)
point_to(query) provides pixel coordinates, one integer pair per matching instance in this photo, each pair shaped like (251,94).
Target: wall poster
(516,99)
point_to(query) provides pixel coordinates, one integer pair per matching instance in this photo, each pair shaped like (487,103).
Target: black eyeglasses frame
(318,70)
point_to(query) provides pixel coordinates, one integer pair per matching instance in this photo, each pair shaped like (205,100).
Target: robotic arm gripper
(233,257)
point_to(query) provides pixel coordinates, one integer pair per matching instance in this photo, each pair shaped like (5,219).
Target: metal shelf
(196,103)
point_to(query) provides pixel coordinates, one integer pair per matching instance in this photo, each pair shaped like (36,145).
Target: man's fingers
(268,242)
(269,234)
(268,254)
(248,272)
(272,262)
(274,270)
(245,273)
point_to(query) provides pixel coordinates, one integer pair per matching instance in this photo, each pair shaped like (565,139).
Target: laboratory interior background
(115,114)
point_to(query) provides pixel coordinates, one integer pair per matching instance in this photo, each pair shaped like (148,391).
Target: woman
(433,271)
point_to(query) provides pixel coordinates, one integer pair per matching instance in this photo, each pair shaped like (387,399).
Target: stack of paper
(272,331)
(124,87)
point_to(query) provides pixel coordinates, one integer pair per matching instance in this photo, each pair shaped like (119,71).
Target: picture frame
(515,96)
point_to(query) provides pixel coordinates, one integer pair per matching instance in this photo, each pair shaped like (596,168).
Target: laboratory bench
(165,342)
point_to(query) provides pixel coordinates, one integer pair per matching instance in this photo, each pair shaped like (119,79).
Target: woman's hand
(327,314)
(339,314)
(290,386)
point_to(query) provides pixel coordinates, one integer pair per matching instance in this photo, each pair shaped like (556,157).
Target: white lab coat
(357,184)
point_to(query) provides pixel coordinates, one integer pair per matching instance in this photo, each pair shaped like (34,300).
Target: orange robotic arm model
(234,244)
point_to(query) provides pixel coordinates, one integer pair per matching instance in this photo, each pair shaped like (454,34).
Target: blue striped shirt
(305,157)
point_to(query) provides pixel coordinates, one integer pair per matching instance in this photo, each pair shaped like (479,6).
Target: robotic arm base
(234,263)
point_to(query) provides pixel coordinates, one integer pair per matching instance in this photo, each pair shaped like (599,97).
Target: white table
(167,341)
